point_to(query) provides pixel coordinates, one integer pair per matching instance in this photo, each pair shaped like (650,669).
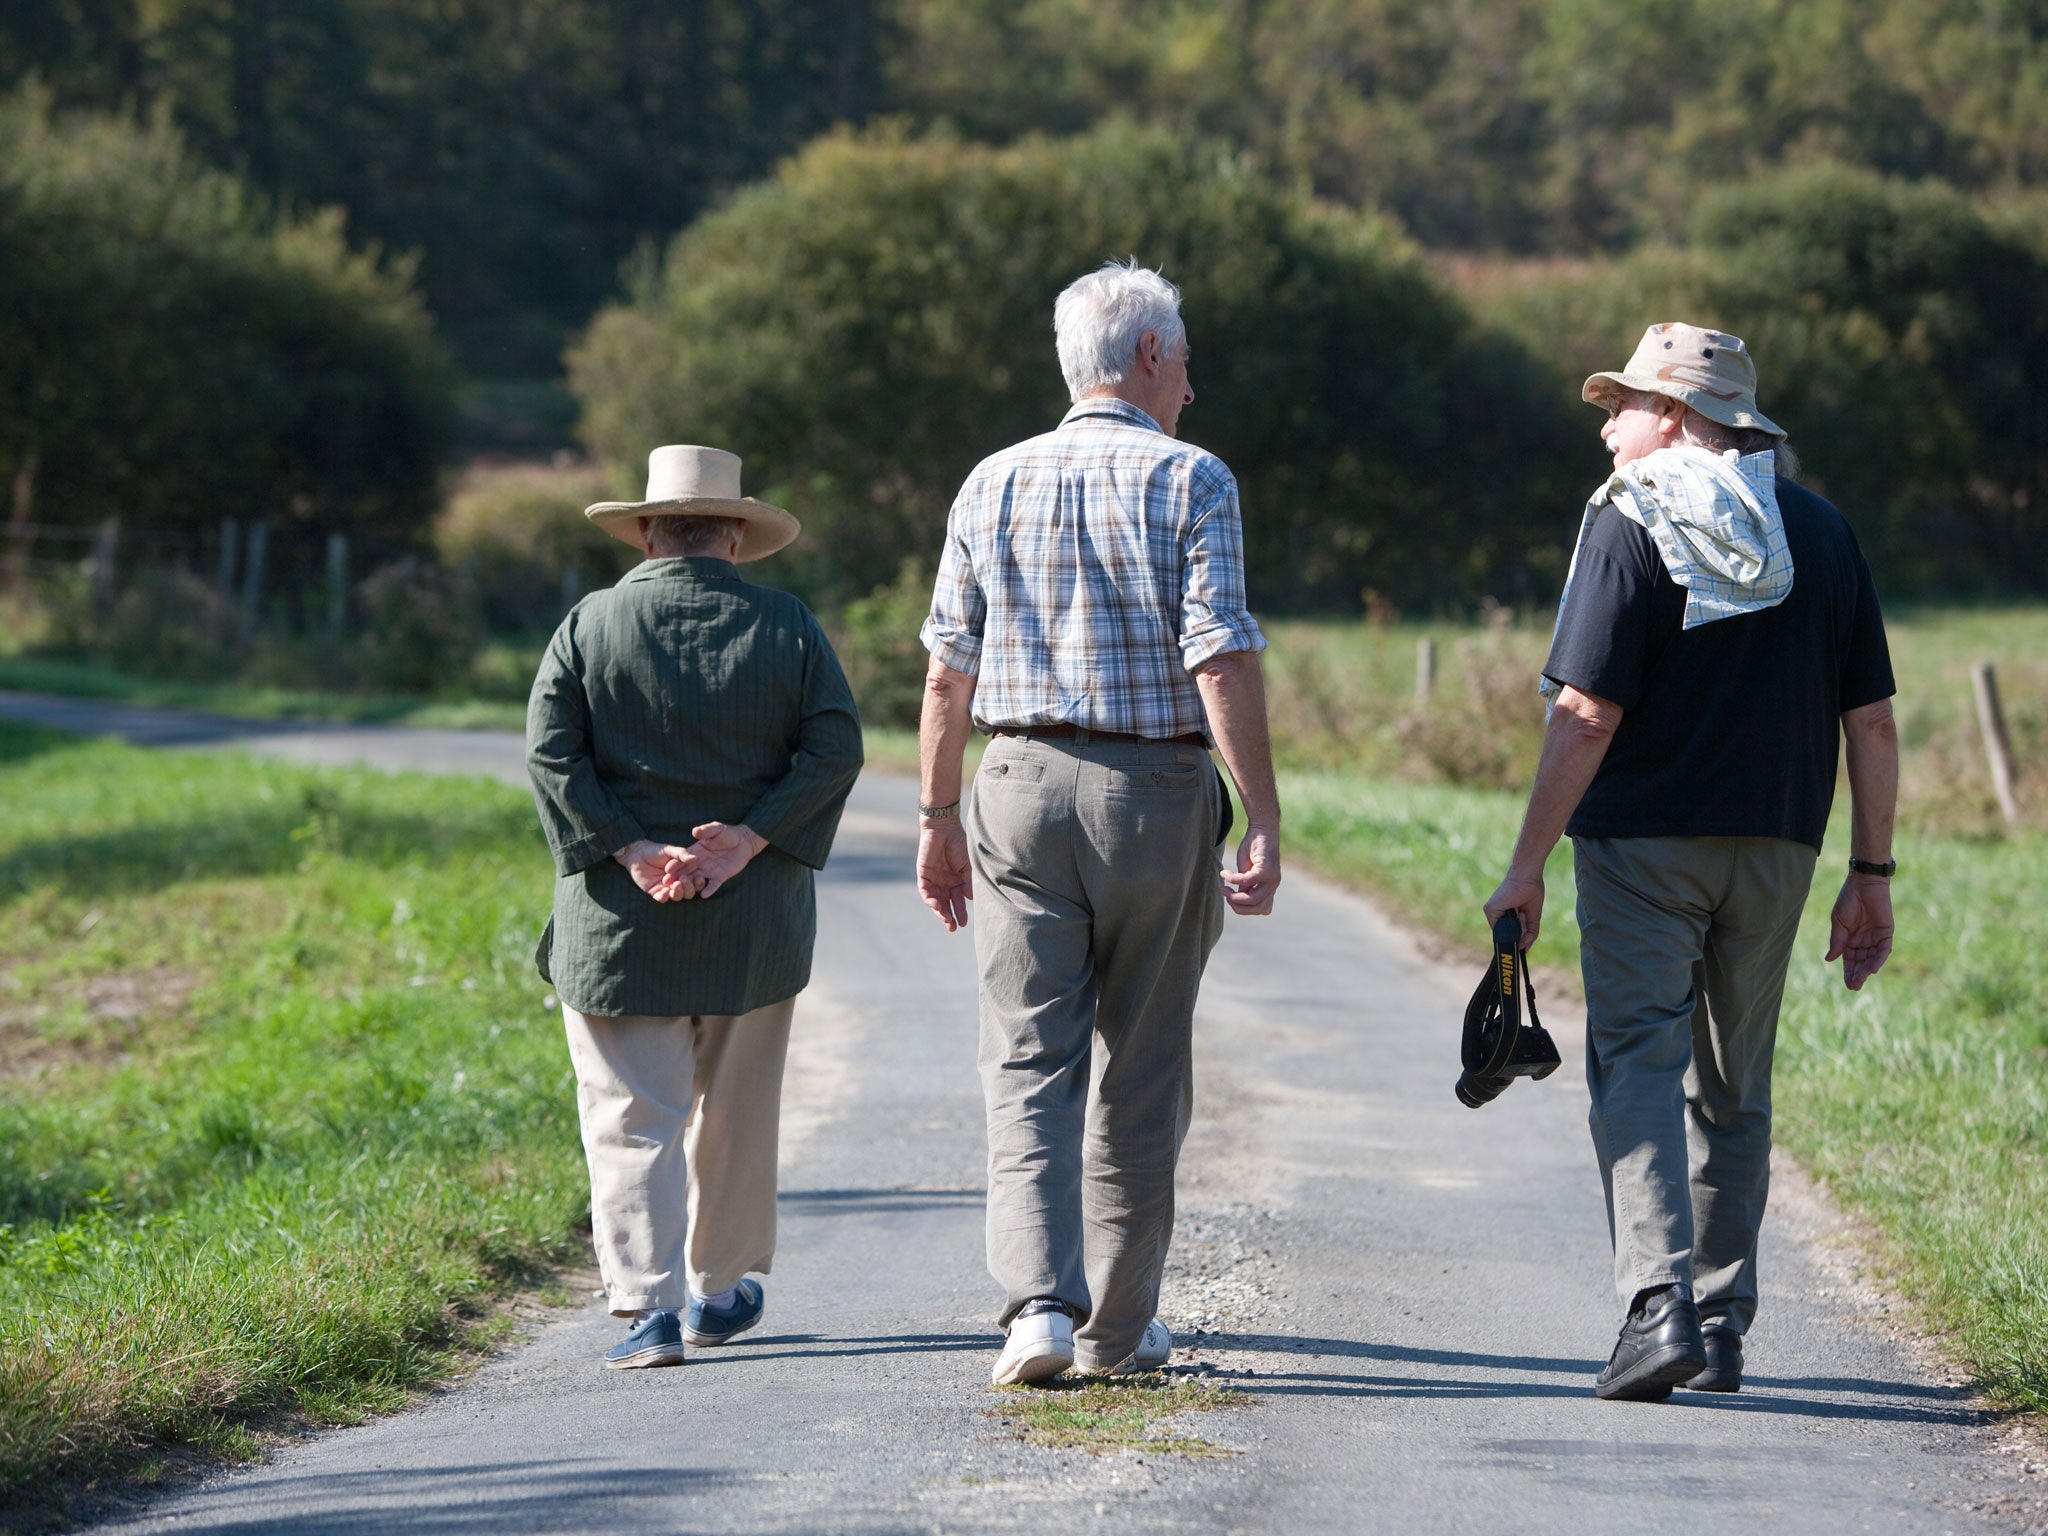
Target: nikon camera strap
(1493,1018)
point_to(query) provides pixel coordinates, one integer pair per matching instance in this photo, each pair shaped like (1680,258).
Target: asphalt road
(1415,1294)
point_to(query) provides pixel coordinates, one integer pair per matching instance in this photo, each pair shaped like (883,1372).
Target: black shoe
(1724,1363)
(1660,1346)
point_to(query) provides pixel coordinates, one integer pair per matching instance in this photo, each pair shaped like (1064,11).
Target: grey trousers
(1684,944)
(1096,905)
(680,1122)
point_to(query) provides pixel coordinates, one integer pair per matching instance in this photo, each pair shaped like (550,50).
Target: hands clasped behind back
(667,872)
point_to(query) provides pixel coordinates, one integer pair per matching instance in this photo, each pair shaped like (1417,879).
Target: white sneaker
(1155,1348)
(1039,1348)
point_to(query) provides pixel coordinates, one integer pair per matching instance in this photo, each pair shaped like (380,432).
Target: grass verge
(283,1109)
(84,680)
(1129,1414)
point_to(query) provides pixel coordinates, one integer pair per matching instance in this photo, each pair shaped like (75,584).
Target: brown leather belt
(1065,731)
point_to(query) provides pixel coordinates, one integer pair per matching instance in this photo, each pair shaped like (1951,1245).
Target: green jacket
(684,695)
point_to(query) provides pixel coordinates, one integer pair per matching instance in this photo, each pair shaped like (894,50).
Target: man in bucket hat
(1718,637)
(691,741)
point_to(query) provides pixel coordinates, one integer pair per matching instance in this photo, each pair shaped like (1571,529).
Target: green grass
(1122,1415)
(86,680)
(282,1109)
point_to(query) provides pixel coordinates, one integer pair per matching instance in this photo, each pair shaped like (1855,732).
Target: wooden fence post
(337,585)
(230,546)
(252,577)
(1425,670)
(19,516)
(1997,744)
(105,545)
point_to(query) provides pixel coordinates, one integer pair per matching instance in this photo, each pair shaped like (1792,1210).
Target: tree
(172,353)
(868,324)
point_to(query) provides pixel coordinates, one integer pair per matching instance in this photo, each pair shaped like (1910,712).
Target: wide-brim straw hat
(1710,371)
(684,480)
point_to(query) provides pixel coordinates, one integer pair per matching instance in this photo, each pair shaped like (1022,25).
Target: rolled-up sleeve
(584,821)
(1213,616)
(953,631)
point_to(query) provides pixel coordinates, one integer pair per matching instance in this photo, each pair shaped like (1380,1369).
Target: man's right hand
(944,878)
(657,869)
(1250,887)
(1860,935)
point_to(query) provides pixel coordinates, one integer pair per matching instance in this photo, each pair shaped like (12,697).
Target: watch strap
(1883,871)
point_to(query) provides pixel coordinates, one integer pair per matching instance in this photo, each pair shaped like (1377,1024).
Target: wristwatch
(1883,871)
(938,812)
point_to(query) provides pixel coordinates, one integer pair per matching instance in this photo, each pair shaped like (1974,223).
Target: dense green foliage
(173,355)
(287,1109)
(521,149)
(1511,124)
(525,149)
(867,325)
(1901,335)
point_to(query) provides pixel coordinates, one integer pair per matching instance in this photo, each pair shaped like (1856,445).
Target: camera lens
(1475,1091)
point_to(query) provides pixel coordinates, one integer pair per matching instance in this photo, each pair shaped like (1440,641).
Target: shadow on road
(525,1496)
(1934,1405)
(869,1202)
(813,1346)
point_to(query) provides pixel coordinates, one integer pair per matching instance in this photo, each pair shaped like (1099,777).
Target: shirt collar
(1115,410)
(697,567)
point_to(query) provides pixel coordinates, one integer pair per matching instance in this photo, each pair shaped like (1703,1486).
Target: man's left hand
(719,853)
(1860,934)
(1522,895)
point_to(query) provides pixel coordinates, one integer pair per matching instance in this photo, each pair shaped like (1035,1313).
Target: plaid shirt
(1086,574)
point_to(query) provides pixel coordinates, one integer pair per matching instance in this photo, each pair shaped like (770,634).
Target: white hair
(1100,317)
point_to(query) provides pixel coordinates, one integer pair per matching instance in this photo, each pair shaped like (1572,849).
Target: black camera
(1498,1046)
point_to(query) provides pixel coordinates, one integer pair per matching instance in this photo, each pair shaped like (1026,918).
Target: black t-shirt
(1731,729)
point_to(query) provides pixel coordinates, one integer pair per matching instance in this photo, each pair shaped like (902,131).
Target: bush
(518,536)
(870,323)
(419,634)
(876,638)
(172,353)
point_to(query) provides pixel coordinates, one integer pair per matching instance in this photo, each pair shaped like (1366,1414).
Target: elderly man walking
(1718,637)
(691,742)
(1089,613)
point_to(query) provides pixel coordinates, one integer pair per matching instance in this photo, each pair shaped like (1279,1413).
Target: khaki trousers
(1096,905)
(1684,944)
(679,1123)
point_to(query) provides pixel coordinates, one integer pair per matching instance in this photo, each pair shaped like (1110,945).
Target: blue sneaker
(705,1326)
(657,1339)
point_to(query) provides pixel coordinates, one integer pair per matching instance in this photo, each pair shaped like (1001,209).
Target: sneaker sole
(1652,1381)
(659,1354)
(1042,1364)
(713,1340)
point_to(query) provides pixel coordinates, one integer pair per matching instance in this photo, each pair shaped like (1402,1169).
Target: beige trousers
(679,1128)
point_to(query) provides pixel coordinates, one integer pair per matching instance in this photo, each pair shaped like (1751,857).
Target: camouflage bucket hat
(1710,371)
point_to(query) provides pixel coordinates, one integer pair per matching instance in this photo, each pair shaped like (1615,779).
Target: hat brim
(1728,413)
(769,528)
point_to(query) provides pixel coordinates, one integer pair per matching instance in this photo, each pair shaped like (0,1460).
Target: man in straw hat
(1718,637)
(691,742)
(1090,613)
